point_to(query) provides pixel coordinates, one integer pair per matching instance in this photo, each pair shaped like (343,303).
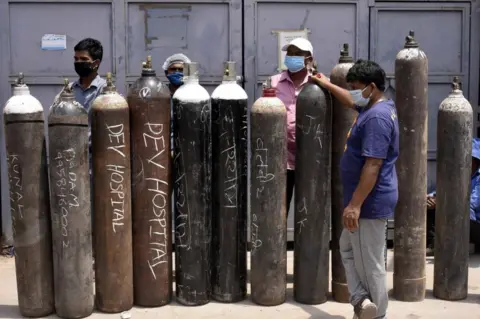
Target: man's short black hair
(92,46)
(366,72)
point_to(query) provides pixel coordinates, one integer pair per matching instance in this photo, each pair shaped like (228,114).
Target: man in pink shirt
(289,83)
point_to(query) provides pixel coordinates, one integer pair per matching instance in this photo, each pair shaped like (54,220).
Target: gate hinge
(371,3)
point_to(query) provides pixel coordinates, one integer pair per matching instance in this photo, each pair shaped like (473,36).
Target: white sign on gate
(54,42)
(285,37)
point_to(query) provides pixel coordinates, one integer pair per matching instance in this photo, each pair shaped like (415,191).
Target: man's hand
(351,214)
(431,202)
(320,79)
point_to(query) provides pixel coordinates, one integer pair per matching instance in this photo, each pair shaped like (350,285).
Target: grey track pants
(363,257)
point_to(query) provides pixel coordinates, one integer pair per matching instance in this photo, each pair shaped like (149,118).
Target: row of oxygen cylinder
(134,178)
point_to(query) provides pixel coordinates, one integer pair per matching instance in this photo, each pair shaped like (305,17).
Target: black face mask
(84,69)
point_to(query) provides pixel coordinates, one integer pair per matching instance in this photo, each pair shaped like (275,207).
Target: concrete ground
(429,308)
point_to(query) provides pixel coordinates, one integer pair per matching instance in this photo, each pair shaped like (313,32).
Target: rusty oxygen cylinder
(111,202)
(411,78)
(342,120)
(268,201)
(312,195)
(452,214)
(70,207)
(192,176)
(149,102)
(229,188)
(29,205)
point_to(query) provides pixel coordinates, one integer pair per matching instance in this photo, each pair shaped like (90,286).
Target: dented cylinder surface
(229,188)
(312,195)
(452,214)
(70,207)
(192,186)
(268,200)
(342,120)
(411,83)
(29,204)
(112,207)
(149,102)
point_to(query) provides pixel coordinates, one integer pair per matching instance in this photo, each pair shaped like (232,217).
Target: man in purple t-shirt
(370,188)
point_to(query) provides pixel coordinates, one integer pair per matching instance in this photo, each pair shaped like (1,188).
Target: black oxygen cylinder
(229,189)
(192,162)
(268,138)
(70,207)
(342,120)
(312,195)
(29,204)
(452,214)
(411,99)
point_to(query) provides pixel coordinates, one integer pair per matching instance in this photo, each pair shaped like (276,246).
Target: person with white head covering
(300,63)
(173,67)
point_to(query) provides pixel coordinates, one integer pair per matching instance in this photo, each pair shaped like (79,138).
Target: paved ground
(430,308)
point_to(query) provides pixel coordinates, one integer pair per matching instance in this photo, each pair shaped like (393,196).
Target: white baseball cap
(301,43)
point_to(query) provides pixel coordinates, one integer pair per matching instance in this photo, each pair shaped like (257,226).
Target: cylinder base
(227,298)
(310,301)
(340,292)
(74,316)
(410,290)
(35,313)
(444,295)
(270,303)
(184,302)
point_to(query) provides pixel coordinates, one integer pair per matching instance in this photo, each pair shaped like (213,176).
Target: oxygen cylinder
(452,214)
(411,77)
(268,138)
(192,175)
(149,102)
(312,195)
(28,181)
(111,202)
(342,120)
(229,187)
(70,207)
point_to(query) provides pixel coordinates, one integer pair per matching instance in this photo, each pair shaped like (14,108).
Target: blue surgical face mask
(294,63)
(175,78)
(358,98)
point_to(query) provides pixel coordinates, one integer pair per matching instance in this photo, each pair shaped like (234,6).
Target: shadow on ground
(312,310)
(10,311)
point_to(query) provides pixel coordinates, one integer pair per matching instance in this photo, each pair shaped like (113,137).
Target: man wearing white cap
(288,84)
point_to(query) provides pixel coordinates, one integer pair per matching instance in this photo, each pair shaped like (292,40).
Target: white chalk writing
(314,128)
(261,160)
(16,189)
(256,242)
(229,156)
(154,141)
(116,137)
(145,93)
(302,215)
(65,180)
(182,210)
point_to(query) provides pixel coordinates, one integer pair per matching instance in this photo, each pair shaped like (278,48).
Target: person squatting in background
(288,84)
(474,204)
(370,186)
